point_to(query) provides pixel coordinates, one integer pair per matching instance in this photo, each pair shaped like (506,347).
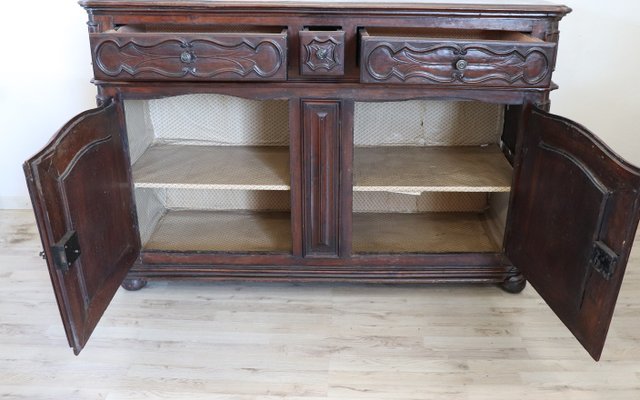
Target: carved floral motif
(321,54)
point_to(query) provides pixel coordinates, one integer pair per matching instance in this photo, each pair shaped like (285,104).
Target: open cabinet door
(83,202)
(574,213)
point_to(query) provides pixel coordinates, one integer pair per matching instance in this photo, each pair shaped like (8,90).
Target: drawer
(322,52)
(448,57)
(190,53)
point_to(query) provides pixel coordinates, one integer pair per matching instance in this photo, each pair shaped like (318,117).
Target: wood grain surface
(213,167)
(177,340)
(431,169)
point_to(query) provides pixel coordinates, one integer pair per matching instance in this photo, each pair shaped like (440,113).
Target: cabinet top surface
(536,6)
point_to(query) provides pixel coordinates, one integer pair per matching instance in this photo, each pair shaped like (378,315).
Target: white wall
(45,73)
(45,70)
(597,65)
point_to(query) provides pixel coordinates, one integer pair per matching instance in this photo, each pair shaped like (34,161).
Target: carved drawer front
(322,53)
(132,53)
(447,57)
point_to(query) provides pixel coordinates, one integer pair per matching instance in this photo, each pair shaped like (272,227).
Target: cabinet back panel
(206,119)
(427,123)
(386,202)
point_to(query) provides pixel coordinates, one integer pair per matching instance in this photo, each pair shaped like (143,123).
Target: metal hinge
(603,259)
(66,251)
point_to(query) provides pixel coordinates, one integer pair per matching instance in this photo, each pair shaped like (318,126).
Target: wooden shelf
(431,169)
(228,231)
(213,167)
(422,233)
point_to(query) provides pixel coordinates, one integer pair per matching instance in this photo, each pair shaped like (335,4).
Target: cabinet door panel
(82,197)
(574,213)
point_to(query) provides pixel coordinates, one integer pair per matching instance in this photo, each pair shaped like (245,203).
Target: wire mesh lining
(387,202)
(258,200)
(139,129)
(211,119)
(427,123)
(151,208)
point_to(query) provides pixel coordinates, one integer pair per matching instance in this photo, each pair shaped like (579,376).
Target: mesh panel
(259,200)
(427,123)
(151,207)
(139,130)
(220,120)
(385,202)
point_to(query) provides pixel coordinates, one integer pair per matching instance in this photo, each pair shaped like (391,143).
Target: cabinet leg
(134,284)
(514,283)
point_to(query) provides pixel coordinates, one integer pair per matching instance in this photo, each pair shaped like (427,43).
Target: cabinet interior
(211,173)
(196,28)
(429,176)
(459,34)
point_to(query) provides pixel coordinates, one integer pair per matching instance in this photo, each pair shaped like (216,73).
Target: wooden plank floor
(199,341)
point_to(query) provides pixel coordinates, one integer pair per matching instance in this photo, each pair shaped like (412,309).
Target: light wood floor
(270,341)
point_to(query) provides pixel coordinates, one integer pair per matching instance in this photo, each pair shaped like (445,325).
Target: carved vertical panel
(321,166)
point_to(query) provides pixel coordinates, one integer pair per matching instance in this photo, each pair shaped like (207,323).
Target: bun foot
(134,284)
(514,284)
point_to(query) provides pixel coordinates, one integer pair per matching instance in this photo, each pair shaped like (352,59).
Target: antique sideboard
(341,142)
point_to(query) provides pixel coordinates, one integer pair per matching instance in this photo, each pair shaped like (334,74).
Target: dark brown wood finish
(420,58)
(326,90)
(575,209)
(322,53)
(80,183)
(537,18)
(321,152)
(574,205)
(126,55)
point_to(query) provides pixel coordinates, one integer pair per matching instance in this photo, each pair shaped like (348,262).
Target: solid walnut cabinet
(340,142)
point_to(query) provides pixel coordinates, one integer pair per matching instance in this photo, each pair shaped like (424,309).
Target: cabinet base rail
(501,274)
